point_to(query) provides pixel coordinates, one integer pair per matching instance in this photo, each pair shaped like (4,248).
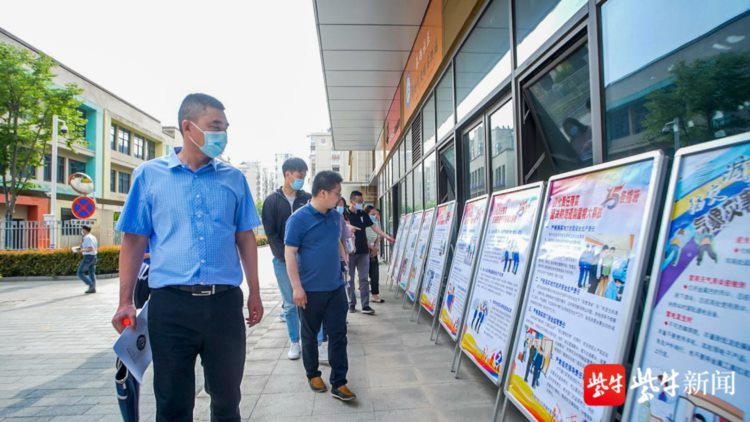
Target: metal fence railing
(25,235)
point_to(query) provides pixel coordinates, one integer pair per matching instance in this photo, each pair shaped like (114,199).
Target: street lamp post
(53,167)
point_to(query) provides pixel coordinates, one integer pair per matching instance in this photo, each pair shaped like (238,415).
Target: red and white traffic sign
(83,207)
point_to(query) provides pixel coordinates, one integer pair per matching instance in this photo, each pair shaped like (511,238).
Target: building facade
(481,95)
(118,138)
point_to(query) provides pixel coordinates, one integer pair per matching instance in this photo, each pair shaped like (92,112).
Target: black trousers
(374,275)
(181,327)
(329,309)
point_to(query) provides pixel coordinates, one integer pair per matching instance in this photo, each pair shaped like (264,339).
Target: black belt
(203,289)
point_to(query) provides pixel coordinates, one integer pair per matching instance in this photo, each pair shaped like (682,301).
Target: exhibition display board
(398,247)
(437,257)
(499,277)
(584,283)
(417,263)
(462,266)
(410,246)
(694,340)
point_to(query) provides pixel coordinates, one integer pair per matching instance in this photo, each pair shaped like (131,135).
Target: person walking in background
(313,252)
(88,263)
(359,261)
(198,215)
(277,208)
(373,243)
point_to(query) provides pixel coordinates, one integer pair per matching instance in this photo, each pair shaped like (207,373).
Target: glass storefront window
(408,149)
(676,81)
(444,104)
(418,194)
(428,124)
(430,181)
(503,144)
(402,190)
(538,20)
(561,108)
(474,171)
(447,174)
(484,59)
(397,165)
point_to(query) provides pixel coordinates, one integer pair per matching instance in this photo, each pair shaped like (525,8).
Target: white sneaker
(323,353)
(294,351)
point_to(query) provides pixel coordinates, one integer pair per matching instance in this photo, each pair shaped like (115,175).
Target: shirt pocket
(221,204)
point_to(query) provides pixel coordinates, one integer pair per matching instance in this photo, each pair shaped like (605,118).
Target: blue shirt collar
(174,161)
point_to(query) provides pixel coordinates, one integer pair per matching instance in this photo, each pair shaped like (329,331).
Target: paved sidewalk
(56,363)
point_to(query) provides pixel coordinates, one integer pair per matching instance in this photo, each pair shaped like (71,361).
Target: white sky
(260,58)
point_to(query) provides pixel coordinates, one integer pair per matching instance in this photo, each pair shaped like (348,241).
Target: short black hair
(355,193)
(325,180)
(194,105)
(87,228)
(369,208)
(293,164)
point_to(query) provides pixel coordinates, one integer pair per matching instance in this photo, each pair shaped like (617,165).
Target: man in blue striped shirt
(196,215)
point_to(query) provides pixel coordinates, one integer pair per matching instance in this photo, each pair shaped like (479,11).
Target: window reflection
(474,169)
(678,81)
(430,181)
(418,205)
(447,175)
(444,100)
(560,106)
(428,124)
(484,59)
(503,144)
(538,20)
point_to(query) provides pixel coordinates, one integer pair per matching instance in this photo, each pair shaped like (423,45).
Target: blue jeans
(88,265)
(290,309)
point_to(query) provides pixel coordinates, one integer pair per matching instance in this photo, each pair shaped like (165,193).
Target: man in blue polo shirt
(313,251)
(196,215)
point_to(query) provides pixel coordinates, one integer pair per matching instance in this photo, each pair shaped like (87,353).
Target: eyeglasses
(338,194)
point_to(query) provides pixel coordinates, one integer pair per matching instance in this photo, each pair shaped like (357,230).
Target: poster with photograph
(584,281)
(499,278)
(411,246)
(417,262)
(459,277)
(697,342)
(436,257)
(403,232)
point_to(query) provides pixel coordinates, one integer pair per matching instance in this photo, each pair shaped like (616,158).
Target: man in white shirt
(88,264)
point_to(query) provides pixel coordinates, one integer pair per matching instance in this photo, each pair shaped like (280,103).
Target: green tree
(28,100)
(704,96)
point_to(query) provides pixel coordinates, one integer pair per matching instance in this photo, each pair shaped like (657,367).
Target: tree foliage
(28,100)
(707,96)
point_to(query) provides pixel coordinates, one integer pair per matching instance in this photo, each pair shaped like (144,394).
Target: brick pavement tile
(325,404)
(396,398)
(65,410)
(285,404)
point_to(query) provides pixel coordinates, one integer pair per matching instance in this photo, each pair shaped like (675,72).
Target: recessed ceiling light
(734,39)
(721,47)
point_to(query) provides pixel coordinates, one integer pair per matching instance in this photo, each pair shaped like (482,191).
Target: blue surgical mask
(340,209)
(358,207)
(574,131)
(374,219)
(213,142)
(298,183)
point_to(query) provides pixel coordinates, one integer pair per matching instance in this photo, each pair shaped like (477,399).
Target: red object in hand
(126,322)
